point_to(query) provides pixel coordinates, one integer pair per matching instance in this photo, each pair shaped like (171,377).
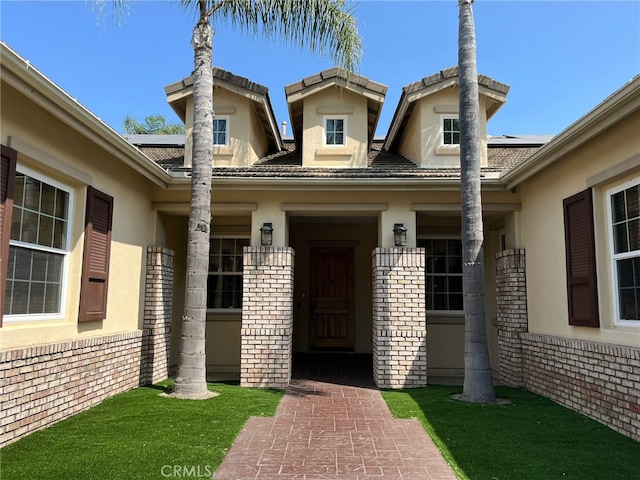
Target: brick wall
(157,314)
(598,380)
(511,298)
(267,317)
(399,318)
(43,385)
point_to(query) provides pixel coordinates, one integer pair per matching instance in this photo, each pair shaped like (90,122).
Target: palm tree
(477,369)
(326,25)
(152,125)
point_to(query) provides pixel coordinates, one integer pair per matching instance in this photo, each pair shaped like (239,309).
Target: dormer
(334,119)
(244,124)
(425,125)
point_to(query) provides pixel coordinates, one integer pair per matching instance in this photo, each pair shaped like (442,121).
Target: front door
(331,297)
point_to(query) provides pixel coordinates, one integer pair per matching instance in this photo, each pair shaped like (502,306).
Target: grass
(139,434)
(530,438)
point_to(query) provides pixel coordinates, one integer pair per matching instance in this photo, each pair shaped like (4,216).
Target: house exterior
(335,272)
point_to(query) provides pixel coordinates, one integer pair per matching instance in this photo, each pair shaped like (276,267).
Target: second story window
(450,131)
(335,131)
(221,131)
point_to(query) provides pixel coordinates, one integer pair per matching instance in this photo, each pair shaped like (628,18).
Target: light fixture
(266,234)
(399,235)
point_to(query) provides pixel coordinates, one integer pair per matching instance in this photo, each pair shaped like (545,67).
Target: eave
(21,75)
(612,110)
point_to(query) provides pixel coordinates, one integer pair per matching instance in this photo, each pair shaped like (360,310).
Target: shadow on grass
(529,438)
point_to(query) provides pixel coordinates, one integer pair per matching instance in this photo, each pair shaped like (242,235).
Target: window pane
(29,227)
(339,139)
(456,138)
(440,284)
(18,192)
(440,301)
(620,238)
(22,266)
(455,284)
(634,235)
(32,194)
(439,247)
(20,298)
(626,277)
(331,138)
(36,298)
(45,233)
(16,223)
(628,306)
(439,265)
(48,199)
(62,199)
(455,301)
(52,297)
(59,234)
(618,207)
(227,246)
(633,206)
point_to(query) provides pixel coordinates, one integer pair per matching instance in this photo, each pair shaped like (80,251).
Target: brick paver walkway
(333,432)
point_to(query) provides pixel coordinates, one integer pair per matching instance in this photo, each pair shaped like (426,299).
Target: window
(624,220)
(335,130)
(38,247)
(224,285)
(443,273)
(221,131)
(450,131)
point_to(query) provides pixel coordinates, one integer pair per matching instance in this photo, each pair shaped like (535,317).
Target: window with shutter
(7,178)
(95,264)
(582,294)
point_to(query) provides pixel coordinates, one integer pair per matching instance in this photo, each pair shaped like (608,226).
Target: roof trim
(33,84)
(296,92)
(611,110)
(178,92)
(448,77)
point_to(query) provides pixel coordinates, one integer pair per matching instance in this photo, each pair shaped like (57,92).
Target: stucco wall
(336,102)
(542,233)
(47,146)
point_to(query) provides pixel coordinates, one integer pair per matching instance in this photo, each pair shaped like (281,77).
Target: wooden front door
(331,297)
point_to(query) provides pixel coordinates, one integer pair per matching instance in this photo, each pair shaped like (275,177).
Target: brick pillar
(399,318)
(267,317)
(158,303)
(511,299)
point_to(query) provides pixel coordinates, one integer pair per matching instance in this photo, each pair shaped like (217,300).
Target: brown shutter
(7,184)
(581,260)
(95,264)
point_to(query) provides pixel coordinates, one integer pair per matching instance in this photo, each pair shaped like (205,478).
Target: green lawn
(530,438)
(139,435)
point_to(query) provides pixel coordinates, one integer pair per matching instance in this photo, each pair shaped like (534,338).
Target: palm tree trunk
(191,380)
(477,369)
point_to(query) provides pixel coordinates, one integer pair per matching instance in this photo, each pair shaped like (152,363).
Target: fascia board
(38,88)
(609,112)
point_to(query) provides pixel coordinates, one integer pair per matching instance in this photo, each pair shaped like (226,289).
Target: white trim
(613,257)
(449,116)
(227,131)
(64,283)
(344,130)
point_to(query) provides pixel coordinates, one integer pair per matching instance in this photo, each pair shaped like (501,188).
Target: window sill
(448,150)
(333,151)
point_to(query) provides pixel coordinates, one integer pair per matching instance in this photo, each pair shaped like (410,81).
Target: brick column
(158,303)
(267,317)
(399,318)
(511,299)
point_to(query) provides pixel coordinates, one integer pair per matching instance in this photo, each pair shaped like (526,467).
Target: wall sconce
(399,235)
(266,234)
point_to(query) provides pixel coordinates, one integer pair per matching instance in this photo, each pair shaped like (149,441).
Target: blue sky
(560,58)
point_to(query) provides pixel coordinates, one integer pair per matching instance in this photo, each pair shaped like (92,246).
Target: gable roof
(296,92)
(494,91)
(178,92)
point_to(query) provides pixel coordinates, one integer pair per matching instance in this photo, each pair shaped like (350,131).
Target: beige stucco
(594,164)
(339,103)
(246,139)
(421,140)
(48,147)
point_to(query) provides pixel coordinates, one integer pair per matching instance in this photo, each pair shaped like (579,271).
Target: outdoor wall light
(399,235)
(266,234)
